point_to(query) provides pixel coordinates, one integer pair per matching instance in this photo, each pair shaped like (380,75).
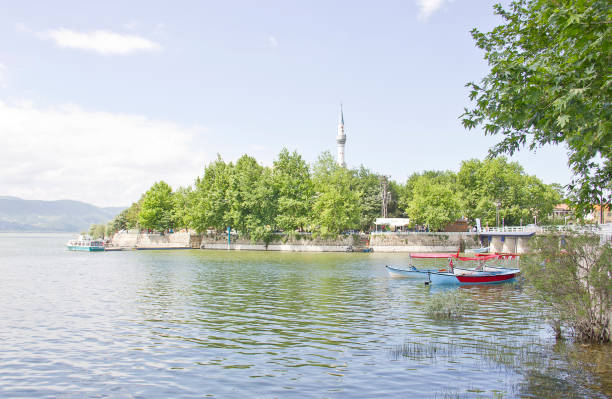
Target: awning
(395,222)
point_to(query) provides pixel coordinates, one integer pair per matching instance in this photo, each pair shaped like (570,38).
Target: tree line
(327,199)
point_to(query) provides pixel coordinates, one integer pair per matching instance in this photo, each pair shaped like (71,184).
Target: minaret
(341,139)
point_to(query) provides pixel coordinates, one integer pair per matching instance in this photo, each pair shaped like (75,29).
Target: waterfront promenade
(508,239)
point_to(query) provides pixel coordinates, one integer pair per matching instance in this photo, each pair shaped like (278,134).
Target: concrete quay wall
(386,242)
(283,243)
(422,242)
(124,239)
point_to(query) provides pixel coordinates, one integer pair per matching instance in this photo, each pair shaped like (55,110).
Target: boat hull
(473,278)
(84,249)
(410,273)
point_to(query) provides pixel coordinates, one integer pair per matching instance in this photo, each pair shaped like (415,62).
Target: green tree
(393,208)
(132,214)
(432,201)
(120,222)
(294,189)
(406,191)
(337,204)
(127,218)
(369,185)
(211,202)
(182,205)
(157,207)
(482,184)
(252,201)
(98,230)
(550,83)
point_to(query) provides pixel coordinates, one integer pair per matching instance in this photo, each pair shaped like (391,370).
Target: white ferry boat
(85,243)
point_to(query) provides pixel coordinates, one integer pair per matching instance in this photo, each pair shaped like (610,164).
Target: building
(562,212)
(341,139)
(596,214)
(392,224)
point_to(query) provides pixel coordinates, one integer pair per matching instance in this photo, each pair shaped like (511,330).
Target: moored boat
(85,243)
(411,272)
(482,274)
(480,250)
(473,277)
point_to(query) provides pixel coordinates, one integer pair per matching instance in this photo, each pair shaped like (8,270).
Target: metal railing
(509,229)
(408,233)
(544,229)
(594,229)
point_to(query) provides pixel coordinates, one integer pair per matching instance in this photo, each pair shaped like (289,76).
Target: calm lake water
(193,323)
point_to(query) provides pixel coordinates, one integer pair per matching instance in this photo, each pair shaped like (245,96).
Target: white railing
(408,233)
(544,229)
(594,229)
(605,237)
(509,229)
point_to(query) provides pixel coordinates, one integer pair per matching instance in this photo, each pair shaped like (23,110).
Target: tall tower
(341,139)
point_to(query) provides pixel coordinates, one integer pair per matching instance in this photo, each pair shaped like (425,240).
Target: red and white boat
(483,273)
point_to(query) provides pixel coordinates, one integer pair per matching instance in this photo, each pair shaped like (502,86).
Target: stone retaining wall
(417,242)
(125,239)
(423,242)
(301,243)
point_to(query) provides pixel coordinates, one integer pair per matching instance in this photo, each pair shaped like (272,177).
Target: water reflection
(229,324)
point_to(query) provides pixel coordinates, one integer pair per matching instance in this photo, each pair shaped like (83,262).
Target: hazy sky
(98,100)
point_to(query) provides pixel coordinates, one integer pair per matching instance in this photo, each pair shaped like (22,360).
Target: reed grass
(449,305)
(545,369)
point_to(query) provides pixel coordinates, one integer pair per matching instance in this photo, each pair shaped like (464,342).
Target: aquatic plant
(421,351)
(468,395)
(449,305)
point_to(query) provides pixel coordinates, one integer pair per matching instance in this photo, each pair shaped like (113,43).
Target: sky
(99,100)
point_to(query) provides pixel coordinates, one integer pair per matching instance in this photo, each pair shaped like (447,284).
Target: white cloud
(428,7)
(98,157)
(272,42)
(101,41)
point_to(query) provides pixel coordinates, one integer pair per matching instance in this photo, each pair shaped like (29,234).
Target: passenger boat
(85,243)
(482,274)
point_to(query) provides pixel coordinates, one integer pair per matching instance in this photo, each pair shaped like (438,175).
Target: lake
(196,323)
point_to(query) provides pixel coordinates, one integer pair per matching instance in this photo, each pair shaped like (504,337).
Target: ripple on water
(232,324)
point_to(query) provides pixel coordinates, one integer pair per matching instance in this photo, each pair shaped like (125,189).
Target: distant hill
(17,214)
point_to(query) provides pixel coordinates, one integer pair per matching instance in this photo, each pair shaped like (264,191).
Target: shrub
(572,274)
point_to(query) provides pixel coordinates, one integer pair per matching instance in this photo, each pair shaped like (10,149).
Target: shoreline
(382,243)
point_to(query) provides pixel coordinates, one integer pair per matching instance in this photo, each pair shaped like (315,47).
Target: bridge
(514,238)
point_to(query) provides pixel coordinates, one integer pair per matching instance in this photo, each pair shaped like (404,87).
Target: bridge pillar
(522,245)
(509,244)
(496,244)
